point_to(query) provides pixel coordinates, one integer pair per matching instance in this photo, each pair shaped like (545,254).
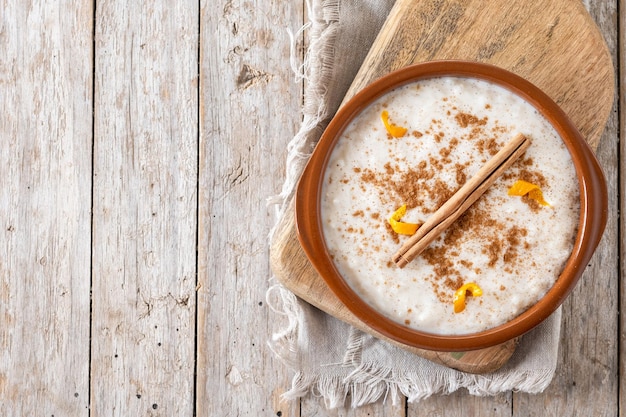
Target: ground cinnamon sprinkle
(525,161)
(436,163)
(534,177)
(524,173)
(446,275)
(394,235)
(461,177)
(493,251)
(514,240)
(532,204)
(410,187)
(439,194)
(466,119)
(488,145)
(453,284)
(368,176)
(466,264)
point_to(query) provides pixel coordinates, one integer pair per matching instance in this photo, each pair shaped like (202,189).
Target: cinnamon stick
(461,200)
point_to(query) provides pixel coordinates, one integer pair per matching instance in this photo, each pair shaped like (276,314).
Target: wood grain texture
(534,40)
(315,407)
(144,208)
(45,198)
(249,102)
(621,192)
(461,404)
(620,51)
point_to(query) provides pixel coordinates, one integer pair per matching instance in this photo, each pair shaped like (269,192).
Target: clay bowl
(593,208)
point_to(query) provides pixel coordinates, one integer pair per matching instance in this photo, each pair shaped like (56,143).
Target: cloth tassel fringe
(323,28)
(285,343)
(368,383)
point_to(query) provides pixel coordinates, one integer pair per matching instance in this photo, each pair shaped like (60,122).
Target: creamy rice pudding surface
(512,247)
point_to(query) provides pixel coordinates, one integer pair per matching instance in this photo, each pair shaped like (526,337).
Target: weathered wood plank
(316,407)
(144,210)
(461,404)
(621,57)
(250,111)
(45,199)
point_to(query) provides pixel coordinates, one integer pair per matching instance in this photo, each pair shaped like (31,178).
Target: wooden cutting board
(552,43)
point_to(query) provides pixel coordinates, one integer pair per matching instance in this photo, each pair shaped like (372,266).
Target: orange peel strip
(459,295)
(399,227)
(393,130)
(521,188)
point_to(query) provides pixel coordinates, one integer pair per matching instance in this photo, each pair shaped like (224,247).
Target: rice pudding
(416,146)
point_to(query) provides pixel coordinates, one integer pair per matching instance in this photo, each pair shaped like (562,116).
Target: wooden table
(139,141)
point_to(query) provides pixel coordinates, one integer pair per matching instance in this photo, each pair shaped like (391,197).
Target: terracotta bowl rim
(592,221)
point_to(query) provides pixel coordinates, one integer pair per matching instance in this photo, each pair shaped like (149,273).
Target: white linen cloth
(330,358)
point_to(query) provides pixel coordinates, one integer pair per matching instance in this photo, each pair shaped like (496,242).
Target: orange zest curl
(522,188)
(399,227)
(459,295)
(393,130)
